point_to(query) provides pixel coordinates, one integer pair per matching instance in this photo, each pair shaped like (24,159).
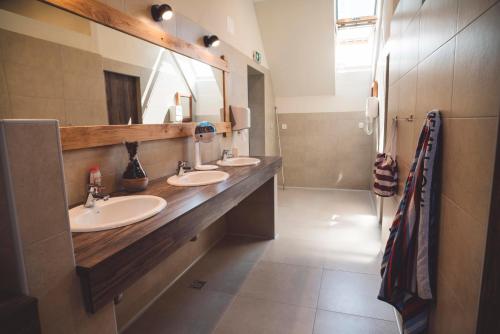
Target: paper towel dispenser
(240,118)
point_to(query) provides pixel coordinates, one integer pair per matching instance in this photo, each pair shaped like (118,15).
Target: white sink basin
(199,178)
(115,212)
(238,162)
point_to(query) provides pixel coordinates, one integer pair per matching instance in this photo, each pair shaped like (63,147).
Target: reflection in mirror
(58,65)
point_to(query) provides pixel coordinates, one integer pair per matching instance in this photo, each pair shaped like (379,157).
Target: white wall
(299,39)
(352,88)
(217,16)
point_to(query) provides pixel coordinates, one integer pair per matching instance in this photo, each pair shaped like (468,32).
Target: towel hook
(408,119)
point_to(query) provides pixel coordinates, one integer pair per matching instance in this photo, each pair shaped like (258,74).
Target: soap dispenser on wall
(205,133)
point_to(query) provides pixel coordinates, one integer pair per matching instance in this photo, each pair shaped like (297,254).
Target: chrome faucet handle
(94,188)
(182,166)
(226,154)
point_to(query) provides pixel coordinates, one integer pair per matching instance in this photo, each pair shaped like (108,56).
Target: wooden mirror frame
(78,137)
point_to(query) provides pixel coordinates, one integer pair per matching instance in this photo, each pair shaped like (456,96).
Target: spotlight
(211,41)
(161,12)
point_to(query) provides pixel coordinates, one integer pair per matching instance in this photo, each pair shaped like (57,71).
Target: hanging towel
(385,168)
(409,262)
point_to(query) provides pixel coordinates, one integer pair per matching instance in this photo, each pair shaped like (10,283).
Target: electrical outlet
(283,126)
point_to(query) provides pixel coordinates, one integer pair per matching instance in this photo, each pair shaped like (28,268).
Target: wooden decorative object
(375,88)
(78,137)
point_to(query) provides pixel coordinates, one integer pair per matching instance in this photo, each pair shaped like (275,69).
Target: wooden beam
(78,137)
(110,17)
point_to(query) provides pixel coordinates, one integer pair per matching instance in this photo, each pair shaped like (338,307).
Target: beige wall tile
(84,87)
(396,41)
(81,62)
(409,46)
(462,242)
(477,68)
(468,154)
(448,315)
(405,141)
(86,112)
(468,10)
(335,155)
(438,24)
(33,190)
(26,107)
(409,9)
(30,52)
(435,81)
(3,83)
(4,106)
(408,94)
(32,81)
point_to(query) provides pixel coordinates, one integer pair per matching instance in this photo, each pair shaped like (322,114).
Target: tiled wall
(39,211)
(41,80)
(446,55)
(326,150)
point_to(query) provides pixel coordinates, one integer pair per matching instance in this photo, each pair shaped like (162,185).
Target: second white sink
(238,162)
(199,178)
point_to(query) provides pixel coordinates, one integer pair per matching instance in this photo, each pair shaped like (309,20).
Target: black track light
(211,41)
(161,12)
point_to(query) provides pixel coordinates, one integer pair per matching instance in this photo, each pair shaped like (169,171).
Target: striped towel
(409,263)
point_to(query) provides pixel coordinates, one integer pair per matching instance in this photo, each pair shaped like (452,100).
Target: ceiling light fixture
(161,12)
(211,41)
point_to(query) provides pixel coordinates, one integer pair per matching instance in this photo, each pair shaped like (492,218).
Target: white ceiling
(298,38)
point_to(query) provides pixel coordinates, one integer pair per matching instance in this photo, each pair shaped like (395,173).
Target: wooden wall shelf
(78,137)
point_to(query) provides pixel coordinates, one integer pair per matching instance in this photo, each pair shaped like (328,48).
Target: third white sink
(199,178)
(238,162)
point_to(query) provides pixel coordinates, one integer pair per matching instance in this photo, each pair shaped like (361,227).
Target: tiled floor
(319,276)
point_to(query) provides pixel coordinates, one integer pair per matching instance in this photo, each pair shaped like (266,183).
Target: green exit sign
(257,56)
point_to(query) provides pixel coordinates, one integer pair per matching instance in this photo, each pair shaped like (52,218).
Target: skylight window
(355,32)
(355,12)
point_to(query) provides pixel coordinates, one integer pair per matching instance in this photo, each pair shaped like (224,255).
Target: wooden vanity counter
(109,261)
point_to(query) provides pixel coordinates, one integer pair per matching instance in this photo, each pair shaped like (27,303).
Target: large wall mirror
(57,65)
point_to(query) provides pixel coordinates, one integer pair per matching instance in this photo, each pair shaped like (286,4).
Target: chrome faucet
(94,194)
(226,154)
(182,167)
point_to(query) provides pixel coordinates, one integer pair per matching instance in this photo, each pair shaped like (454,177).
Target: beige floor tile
(353,293)
(352,261)
(183,310)
(284,283)
(339,323)
(296,251)
(253,315)
(223,275)
(236,249)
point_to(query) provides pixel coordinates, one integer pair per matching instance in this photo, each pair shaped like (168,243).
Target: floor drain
(196,284)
